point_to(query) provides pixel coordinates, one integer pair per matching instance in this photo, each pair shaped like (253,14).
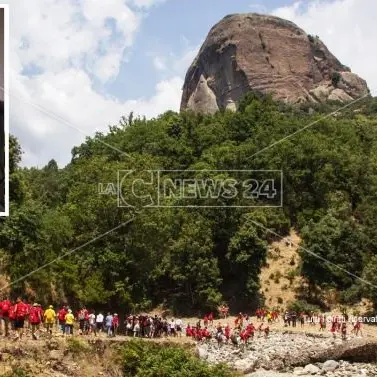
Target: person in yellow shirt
(49,316)
(69,321)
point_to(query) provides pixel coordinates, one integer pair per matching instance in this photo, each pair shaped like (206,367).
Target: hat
(50,306)
(35,304)
(115,314)
(69,311)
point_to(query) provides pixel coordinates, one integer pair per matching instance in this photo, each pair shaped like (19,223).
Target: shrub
(277,277)
(142,359)
(274,254)
(17,372)
(351,295)
(335,78)
(280,300)
(311,38)
(302,306)
(291,274)
(77,346)
(292,262)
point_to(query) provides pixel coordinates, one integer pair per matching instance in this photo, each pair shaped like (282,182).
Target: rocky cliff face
(246,52)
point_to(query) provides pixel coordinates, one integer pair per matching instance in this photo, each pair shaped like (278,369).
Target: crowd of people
(20,317)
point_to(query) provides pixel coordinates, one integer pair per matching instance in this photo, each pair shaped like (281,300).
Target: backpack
(61,315)
(34,316)
(49,315)
(12,312)
(21,310)
(5,307)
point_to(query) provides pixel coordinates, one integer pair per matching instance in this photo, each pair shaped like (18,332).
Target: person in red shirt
(188,331)
(5,306)
(115,324)
(250,329)
(35,319)
(210,319)
(61,318)
(257,313)
(199,334)
(357,328)
(206,334)
(27,322)
(21,312)
(194,332)
(334,326)
(83,316)
(227,332)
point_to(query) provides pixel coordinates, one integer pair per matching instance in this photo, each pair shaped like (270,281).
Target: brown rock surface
(246,52)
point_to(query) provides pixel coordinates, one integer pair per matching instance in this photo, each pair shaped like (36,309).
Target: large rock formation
(245,52)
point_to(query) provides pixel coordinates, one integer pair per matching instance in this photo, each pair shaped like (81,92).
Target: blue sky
(77,66)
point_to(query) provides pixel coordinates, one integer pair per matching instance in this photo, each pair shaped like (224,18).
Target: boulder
(202,352)
(244,366)
(311,369)
(265,54)
(268,373)
(330,365)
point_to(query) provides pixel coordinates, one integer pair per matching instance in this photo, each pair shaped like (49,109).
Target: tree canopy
(186,254)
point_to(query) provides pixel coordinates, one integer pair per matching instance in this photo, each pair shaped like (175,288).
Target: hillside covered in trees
(193,258)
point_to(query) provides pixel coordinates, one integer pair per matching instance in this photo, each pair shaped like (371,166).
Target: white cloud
(147,3)
(73,43)
(159,63)
(347,27)
(65,33)
(85,110)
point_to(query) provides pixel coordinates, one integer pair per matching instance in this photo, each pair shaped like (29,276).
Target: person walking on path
(49,316)
(61,318)
(115,324)
(5,306)
(99,322)
(109,324)
(20,313)
(35,319)
(69,321)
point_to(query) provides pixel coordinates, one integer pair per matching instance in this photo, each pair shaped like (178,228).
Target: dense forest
(193,258)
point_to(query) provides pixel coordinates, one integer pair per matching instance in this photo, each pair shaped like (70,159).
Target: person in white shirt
(179,326)
(173,328)
(92,323)
(99,322)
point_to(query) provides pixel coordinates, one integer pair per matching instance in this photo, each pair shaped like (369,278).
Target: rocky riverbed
(288,354)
